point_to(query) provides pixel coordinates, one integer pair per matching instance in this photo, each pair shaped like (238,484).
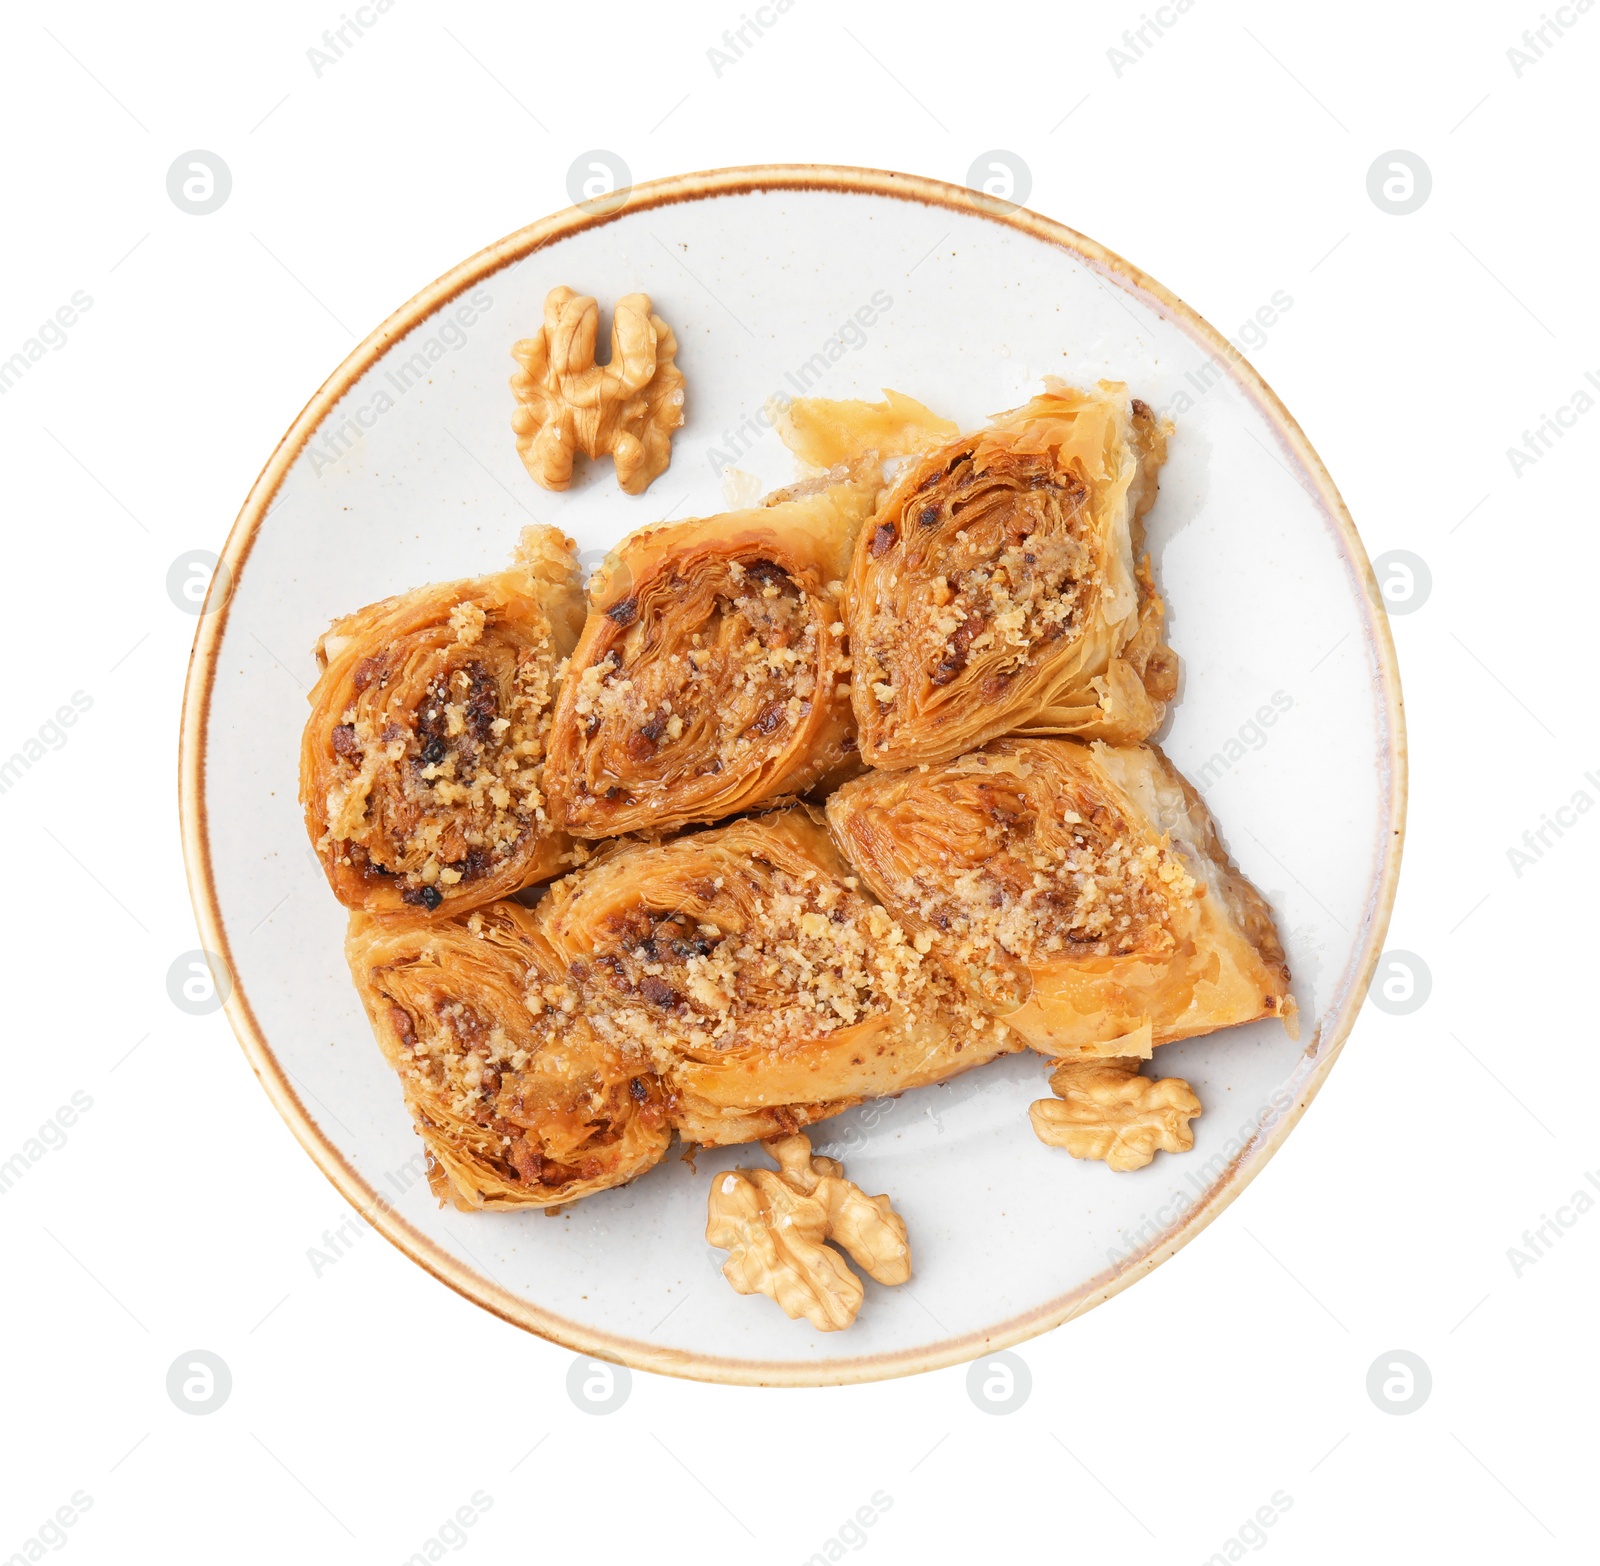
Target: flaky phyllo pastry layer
(422,763)
(752,969)
(731,984)
(516,1098)
(1002,588)
(713,673)
(1078,891)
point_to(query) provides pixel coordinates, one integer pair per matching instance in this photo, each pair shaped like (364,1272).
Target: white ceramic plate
(403,471)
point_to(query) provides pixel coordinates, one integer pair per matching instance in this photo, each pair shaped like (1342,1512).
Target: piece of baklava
(757,978)
(1077,890)
(713,674)
(1002,585)
(518,1101)
(422,765)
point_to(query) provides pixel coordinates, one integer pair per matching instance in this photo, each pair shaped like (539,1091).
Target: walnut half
(773,1225)
(1105,1109)
(566,403)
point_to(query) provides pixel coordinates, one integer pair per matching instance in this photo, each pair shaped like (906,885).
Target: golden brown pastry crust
(518,1102)
(422,763)
(1000,587)
(757,979)
(824,433)
(729,984)
(1077,890)
(712,675)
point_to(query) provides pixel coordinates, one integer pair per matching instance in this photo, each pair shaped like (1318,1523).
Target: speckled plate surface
(402,470)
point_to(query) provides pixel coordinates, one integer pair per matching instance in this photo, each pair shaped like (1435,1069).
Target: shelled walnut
(773,1224)
(566,403)
(1105,1109)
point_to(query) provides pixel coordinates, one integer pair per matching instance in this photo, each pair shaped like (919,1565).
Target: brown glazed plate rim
(1320,1050)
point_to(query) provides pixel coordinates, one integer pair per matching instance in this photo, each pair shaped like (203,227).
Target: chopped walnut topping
(745,681)
(446,791)
(756,658)
(467,620)
(819,960)
(518,1100)
(1017,574)
(1105,1109)
(1002,877)
(773,1224)
(1084,896)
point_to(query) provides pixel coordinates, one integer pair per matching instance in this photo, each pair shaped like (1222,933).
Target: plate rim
(1316,1059)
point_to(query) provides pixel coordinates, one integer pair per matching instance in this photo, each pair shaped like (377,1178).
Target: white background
(369,1402)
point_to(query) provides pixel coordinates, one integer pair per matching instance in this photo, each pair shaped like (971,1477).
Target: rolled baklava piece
(519,1102)
(1002,586)
(762,983)
(713,674)
(1079,891)
(422,766)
